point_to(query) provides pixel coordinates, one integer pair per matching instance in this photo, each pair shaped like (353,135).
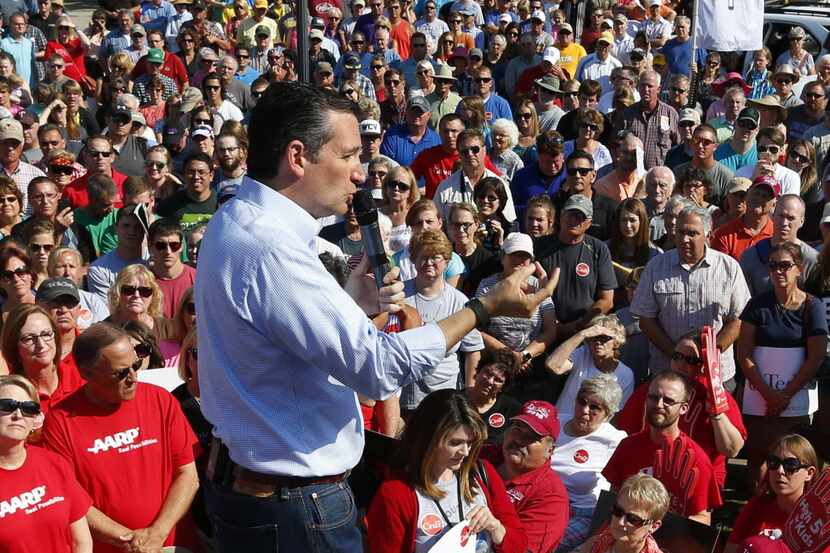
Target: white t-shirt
(579,462)
(789,179)
(583,369)
(431,524)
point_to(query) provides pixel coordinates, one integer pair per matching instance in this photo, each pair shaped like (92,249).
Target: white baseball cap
(518,242)
(551,54)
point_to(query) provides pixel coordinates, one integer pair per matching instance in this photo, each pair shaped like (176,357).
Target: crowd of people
(664,190)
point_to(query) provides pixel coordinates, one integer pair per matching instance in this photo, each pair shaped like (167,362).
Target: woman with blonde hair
(505,135)
(136,295)
(400,191)
(641,504)
(72,45)
(527,121)
(440,479)
(60,528)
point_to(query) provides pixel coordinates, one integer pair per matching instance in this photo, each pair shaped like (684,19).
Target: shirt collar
(290,213)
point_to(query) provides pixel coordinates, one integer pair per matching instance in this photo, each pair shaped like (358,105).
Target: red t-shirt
(38,502)
(636,454)
(174,288)
(694,423)
(78,196)
(73,56)
(126,458)
(402,34)
(759,516)
(435,164)
(733,239)
(173,67)
(69,380)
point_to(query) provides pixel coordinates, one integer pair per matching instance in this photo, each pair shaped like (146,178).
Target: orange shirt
(733,239)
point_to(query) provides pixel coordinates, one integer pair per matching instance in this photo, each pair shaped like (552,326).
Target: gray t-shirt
(719,174)
(130,159)
(754,265)
(445,375)
(431,524)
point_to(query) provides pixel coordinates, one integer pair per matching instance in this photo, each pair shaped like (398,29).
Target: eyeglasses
(398,185)
(593,407)
(769,148)
(29,339)
(167,246)
(629,518)
(121,374)
(799,158)
(667,401)
(462,226)
(690,359)
(21,272)
(28,408)
(99,153)
(143,291)
(782,266)
(143,350)
(581,171)
(474,150)
(41,247)
(8,199)
(790,464)
(61,169)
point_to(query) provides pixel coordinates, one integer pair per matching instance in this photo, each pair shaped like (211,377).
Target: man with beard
(534,488)
(668,454)
(231,153)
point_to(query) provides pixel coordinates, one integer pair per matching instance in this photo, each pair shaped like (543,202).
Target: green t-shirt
(101,229)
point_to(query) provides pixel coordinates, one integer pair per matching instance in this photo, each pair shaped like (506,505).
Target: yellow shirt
(570,56)
(246,33)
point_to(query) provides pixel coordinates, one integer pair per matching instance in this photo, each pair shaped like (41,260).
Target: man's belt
(223,470)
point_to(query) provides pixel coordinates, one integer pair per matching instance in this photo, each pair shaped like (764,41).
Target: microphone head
(364,207)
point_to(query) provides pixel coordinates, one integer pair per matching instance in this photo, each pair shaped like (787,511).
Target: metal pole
(304,72)
(694,75)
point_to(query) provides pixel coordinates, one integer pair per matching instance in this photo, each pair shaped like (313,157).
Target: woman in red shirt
(72,45)
(441,484)
(42,506)
(791,464)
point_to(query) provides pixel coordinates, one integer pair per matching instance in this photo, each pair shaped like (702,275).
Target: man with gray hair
(691,287)
(678,51)
(734,101)
(652,121)
(659,187)
(787,219)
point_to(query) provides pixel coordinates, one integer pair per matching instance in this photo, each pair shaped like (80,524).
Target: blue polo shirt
(497,107)
(398,145)
(529,182)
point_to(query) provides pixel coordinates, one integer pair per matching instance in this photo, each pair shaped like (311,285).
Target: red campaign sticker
(431,525)
(581,456)
(496,420)
(465,535)
(582,270)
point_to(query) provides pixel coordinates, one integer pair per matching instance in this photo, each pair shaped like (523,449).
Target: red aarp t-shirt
(695,423)
(38,502)
(636,454)
(124,458)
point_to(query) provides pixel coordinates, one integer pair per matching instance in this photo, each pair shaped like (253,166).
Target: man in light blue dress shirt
(283,348)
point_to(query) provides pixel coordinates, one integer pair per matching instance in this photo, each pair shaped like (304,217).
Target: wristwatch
(526,356)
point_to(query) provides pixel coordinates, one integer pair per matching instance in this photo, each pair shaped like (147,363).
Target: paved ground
(81,11)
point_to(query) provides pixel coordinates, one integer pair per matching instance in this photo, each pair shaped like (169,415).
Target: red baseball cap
(541,417)
(764,544)
(770,182)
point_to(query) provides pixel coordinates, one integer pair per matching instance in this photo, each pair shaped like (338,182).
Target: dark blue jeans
(314,519)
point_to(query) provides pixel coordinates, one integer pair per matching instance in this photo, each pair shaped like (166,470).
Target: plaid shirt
(657,130)
(683,298)
(141,88)
(22,176)
(759,81)
(39,39)
(363,84)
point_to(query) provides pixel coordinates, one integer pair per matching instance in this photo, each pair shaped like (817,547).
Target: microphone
(367,217)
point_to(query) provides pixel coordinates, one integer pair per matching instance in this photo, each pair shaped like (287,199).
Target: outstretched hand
(512,298)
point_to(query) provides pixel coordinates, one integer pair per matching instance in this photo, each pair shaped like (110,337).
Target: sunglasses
(581,171)
(593,407)
(143,350)
(98,153)
(813,95)
(704,142)
(782,266)
(202,122)
(525,116)
(629,518)
(398,185)
(690,359)
(480,80)
(212,87)
(800,158)
(158,165)
(393,82)
(28,408)
(790,464)
(377,174)
(774,150)
(125,372)
(589,126)
(21,272)
(667,401)
(470,150)
(143,291)
(8,199)
(167,246)
(41,247)
(784,81)
(678,90)
(488,198)
(61,169)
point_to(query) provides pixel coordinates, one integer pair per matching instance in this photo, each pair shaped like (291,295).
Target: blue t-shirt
(784,328)
(734,161)
(679,56)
